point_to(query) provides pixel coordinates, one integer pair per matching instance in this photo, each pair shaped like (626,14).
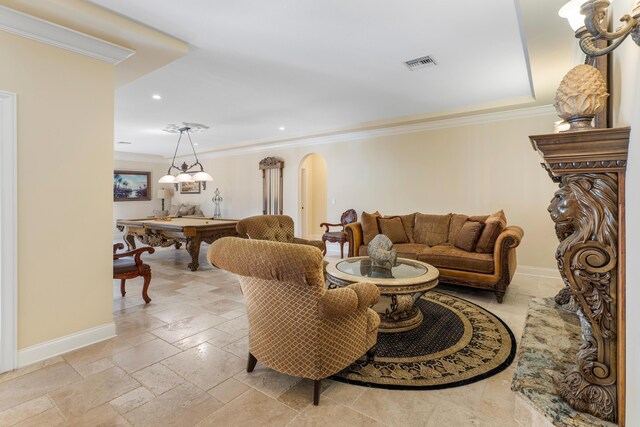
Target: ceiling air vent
(124,142)
(422,62)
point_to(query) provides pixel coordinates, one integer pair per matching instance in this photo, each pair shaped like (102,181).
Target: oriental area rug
(457,343)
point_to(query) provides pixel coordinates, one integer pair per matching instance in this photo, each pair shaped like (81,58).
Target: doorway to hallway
(312,201)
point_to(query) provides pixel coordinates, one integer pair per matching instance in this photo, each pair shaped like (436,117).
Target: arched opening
(312,200)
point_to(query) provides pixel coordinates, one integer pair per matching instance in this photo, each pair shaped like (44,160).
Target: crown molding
(388,130)
(56,35)
(353,135)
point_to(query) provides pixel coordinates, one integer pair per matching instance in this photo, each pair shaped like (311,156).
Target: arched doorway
(312,195)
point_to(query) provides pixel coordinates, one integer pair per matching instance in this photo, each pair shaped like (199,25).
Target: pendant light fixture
(183,171)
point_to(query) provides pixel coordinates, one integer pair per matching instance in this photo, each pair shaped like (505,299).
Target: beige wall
(626,112)
(65,159)
(129,210)
(474,169)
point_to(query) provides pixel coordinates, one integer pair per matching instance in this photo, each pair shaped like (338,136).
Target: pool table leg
(130,240)
(193,247)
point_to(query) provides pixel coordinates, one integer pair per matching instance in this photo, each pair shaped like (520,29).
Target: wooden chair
(338,236)
(128,265)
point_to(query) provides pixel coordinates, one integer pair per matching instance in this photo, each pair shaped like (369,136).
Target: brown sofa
(431,239)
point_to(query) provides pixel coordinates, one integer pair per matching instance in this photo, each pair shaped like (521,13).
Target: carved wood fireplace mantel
(588,211)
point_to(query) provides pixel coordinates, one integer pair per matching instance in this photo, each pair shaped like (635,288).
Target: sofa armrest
(354,237)
(315,243)
(504,257)
(343,301)
(509,238)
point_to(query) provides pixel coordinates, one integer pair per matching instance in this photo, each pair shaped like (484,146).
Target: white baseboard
(55,347)
(549,273)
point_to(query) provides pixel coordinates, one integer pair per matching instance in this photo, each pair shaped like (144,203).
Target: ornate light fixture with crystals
(588,20)
(183,171)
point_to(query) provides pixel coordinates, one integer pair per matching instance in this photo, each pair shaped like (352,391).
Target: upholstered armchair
(296,326)
(278,228)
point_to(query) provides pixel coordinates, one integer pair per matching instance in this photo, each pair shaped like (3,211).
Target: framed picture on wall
(131,186)
(189,188)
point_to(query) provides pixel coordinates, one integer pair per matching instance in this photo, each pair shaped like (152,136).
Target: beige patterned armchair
(278,228)
(296,326)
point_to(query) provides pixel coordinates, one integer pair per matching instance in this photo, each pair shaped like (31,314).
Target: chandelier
(588,19)
(184,174)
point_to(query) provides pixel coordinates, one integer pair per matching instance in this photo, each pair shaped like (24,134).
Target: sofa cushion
(393,229)
(478,218)
(457,221)
(457,259)
(184,210)
(431,230)
(161,214)
(173,210)
(404,250)
(369,226)
(468,236)
(408,222)
(494,225)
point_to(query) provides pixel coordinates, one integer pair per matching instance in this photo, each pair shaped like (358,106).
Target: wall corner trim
(57,346)
(8,231)
(56,35)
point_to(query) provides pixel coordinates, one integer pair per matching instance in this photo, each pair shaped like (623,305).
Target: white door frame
(302,210)
(8,232)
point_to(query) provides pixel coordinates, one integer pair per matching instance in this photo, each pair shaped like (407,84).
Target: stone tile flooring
(180,361)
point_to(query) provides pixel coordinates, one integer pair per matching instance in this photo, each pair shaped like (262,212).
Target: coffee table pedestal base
(398,312)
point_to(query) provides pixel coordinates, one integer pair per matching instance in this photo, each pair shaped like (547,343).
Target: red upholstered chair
(338,236)
(128,265)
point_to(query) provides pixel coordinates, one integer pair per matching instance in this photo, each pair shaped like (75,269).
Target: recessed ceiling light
(195,143)
(125,142)
(156,96)
(281,128)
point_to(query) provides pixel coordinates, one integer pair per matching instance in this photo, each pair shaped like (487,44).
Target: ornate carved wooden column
(588,211)
(272,185)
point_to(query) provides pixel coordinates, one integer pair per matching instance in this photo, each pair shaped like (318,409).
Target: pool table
(175,231)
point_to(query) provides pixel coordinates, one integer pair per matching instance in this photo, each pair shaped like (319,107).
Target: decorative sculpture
(585,212)
(582,94)
(216,201)
(590,170)
(381,252)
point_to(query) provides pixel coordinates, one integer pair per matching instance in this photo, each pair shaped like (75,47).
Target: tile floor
(180,361)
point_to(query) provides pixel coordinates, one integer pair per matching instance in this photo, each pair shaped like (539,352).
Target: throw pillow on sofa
(457,221)
(431,230)
(161,214)
(467,237)
(493,226)
(183,211)
(393,229)
(369,226)
(408,222)
(173,210)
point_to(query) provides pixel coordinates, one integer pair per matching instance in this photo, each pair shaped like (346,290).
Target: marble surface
(549,343)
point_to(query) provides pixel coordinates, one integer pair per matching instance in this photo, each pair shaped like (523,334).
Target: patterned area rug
(457,343)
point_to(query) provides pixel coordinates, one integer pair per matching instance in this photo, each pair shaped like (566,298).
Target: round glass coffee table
(399,288)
